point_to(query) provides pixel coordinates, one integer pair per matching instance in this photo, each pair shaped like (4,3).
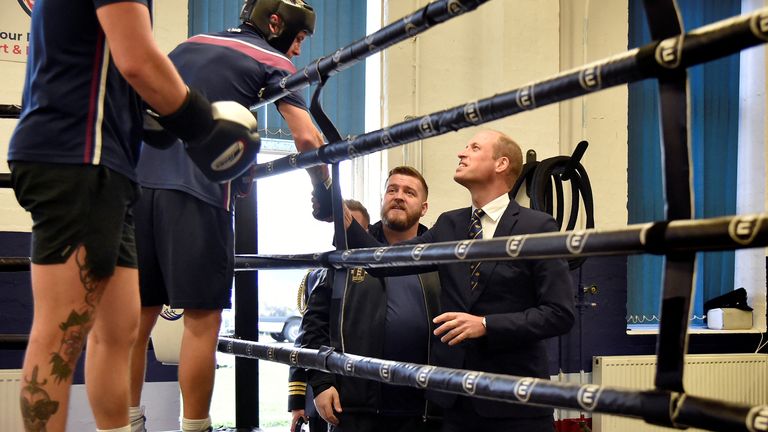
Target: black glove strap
(192,121)
(322,192)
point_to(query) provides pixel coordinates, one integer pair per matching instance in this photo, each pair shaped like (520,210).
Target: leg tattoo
(36,405)
(74,328)
(77,325)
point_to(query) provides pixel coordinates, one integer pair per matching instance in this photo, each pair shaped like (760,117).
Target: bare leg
(109,346)
(139,352)
(197,364)
(65,301)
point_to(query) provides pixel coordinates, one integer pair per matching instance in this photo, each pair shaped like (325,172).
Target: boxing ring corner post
(246,307)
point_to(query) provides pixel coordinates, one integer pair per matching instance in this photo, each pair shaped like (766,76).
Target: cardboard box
(729,319)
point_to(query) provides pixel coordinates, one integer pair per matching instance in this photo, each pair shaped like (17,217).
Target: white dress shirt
(493,212)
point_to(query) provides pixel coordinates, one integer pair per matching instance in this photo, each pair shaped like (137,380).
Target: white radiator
(10,414)
(739,378)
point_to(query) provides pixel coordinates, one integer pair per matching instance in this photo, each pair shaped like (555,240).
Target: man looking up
(497,314)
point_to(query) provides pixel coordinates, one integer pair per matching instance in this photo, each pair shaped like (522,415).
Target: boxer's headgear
(296,16)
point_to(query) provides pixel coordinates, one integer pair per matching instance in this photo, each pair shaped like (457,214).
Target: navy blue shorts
(186,251)
(78,205)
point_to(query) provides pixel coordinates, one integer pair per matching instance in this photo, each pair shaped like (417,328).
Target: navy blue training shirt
(77,108)
(231,65)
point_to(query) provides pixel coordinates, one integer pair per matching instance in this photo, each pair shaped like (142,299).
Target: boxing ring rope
(711,234)
(13,341)
(9,111)
(665,408)
(409,26)
(699,46)
(14,264)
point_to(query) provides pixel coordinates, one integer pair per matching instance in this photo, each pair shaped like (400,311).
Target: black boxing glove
(220,138)
(155,135)
(322,208)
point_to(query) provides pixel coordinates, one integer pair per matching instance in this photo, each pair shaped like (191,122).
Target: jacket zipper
(341,315)
(429,333)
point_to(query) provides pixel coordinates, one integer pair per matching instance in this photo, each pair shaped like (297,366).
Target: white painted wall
(501,46)
(592,31)
(170,29)
(170,23)
(750,263)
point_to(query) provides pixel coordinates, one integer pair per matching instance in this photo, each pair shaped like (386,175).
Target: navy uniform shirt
(406,338)
(230,65)
(77,108)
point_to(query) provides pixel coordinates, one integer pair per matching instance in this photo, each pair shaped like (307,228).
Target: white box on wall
(729,319)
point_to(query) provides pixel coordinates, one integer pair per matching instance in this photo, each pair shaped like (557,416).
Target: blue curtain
(207,16)
(339,23)
(714,106)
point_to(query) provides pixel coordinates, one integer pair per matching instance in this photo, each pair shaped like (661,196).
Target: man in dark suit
(497,314)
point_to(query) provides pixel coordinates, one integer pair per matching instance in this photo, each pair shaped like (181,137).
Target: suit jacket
(524,303)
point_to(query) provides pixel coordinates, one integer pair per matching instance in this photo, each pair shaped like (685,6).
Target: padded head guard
(296,16)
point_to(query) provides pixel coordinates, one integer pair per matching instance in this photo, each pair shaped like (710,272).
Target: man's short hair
(354,205)
(507,147)
(410,172)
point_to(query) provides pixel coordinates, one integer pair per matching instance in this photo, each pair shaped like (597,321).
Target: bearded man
(388,318)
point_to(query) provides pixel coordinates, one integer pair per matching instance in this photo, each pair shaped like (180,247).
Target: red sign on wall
(14,29)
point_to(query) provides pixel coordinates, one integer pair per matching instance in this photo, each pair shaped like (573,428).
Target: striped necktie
(475,232)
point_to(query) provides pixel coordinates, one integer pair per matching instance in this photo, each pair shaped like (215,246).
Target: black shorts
(73,205)
(186,251)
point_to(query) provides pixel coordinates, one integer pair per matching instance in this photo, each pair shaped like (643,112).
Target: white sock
(137,419)
(126,428)
(135,413)
(188,425)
